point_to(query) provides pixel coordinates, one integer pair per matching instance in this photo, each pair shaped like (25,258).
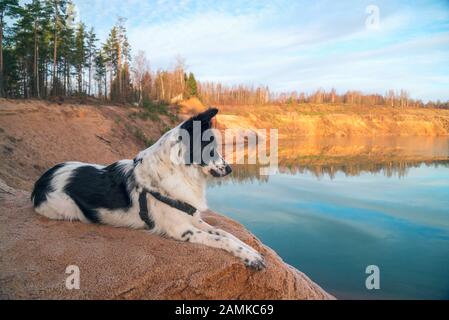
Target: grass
(152,111)
(173,117)
(165,130)
(140,135)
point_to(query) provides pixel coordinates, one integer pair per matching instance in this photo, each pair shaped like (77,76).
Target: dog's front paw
(255,261)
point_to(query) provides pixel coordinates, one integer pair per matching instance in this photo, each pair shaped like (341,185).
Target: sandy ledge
(118,263)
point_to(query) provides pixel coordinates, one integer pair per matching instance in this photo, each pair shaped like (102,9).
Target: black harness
(143,211)
(145,214)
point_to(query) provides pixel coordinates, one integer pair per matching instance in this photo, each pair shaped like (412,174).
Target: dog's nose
(228,169)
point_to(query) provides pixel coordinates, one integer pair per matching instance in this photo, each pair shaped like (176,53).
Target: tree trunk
(2,89)
(119,71)
(45,78)
(140,92)
(80,80)
(55,51)
(111,80)
(54,63)
(65,77)
(162,87)
(35,64)
(69,84)
(37,73)
(90,70)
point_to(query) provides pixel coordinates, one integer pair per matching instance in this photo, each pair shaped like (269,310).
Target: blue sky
(291,45)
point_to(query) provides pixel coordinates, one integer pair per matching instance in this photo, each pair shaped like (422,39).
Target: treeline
(218,94)
(44,53)
(392,98)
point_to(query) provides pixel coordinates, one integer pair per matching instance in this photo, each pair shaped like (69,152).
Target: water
(340,205)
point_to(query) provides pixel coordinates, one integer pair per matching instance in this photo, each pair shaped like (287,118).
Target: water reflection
(336,208)
(325,157)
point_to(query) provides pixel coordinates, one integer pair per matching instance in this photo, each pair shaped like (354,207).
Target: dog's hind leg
(59,206)
(190,233)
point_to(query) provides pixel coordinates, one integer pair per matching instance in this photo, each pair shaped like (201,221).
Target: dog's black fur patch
(94,189)
(42,187)
(187,233)
(206,123)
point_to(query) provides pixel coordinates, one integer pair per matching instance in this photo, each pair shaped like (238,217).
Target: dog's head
(198,145)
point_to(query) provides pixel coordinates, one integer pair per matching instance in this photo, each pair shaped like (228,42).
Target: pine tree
(67,48)
(123,56)
(7,8)
(37,13)
(59,8)
(101,72)
(24,36)
(91,51)
(80,54)
(117,51)
(191,86)
(110,54)
(45,50)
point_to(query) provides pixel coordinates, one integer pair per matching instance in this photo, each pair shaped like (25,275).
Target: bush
(140,135)
(152,111)
(155,107)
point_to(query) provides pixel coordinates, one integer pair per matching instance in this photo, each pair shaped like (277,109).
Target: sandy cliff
(35,135)
(118,263)
(338,120)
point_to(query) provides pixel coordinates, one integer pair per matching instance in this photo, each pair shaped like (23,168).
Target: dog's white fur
(157,171)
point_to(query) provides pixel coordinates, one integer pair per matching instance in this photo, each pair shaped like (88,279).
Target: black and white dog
(162,189)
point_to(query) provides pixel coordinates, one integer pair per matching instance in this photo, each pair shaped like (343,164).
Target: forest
(45,53)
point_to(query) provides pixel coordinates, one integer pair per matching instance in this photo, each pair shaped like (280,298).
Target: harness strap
(145,214)
(181,206)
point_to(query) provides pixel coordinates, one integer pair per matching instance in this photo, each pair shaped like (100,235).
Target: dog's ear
(205,118)
(206,115)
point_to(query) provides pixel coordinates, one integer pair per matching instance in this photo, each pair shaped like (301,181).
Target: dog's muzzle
(222,172)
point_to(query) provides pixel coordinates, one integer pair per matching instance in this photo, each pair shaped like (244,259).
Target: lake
(339,205)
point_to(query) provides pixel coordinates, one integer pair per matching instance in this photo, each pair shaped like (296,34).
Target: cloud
(291,45)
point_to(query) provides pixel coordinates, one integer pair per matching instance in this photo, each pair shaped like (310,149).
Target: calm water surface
(339,205)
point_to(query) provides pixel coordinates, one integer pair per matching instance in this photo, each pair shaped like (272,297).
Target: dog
(162,190)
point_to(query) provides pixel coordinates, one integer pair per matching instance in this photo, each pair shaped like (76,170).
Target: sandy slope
(35,135)
(115,263)
(326,120)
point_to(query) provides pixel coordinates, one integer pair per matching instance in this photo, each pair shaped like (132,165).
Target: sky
(371,46)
